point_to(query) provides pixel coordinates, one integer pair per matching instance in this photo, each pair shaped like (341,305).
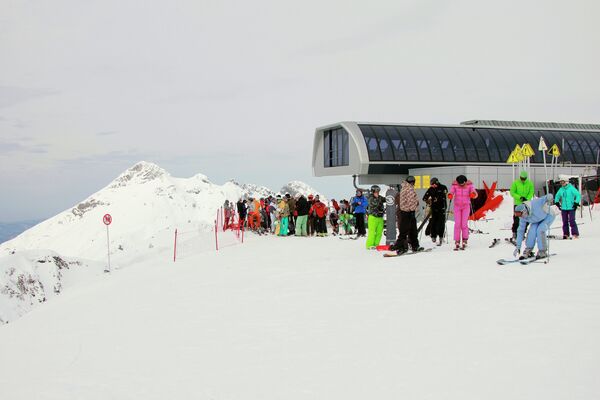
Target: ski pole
(446,221)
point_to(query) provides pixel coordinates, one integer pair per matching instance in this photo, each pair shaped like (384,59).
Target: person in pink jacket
(461,193)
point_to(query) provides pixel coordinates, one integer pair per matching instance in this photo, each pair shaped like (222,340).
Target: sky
(235,90)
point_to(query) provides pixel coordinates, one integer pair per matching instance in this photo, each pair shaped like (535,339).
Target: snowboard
(394,254)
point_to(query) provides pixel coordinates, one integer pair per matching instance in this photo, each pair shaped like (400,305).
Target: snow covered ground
(320,318)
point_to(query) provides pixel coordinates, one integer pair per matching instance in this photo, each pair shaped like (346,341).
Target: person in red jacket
(319,210)
(461,193)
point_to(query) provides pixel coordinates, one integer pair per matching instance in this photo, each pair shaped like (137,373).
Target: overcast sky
(235,90)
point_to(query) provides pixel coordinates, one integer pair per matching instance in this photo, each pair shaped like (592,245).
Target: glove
(473,195)
(523,198)
(450,196)
(575,205)
(516,252)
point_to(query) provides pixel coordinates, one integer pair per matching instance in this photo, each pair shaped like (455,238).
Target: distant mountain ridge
(147,204)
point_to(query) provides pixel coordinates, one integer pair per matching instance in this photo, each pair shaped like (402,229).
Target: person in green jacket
(568,199)
(521,190)
(375,209)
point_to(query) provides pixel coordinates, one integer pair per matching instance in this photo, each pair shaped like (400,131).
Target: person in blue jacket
(360,203)
(539,213)
(568,199)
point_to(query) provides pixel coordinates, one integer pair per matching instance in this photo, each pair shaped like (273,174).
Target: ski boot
(456,245)
(440,241)
(541,254)
(418,249)
(527,253)
(464,245)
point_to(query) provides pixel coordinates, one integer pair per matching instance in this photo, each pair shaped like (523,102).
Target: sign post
(543,148)
(107,219)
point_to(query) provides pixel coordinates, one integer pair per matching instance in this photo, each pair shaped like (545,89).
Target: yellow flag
(527,150)
(554,151)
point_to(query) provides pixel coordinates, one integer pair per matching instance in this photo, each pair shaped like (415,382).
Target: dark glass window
(446,148)
(397,143)
(488,139)
(433,143)
(568,148)
(480,145)
(371,142)
(385,144)
(505,144)
(594,142)
(409,144)
(585,149)
(421,143)
(456,144)
(336,148)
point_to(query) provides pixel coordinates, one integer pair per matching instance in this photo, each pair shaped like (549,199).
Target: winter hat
(310,197)
(434,181)
(522,208)
(523,174)
(288,195)
(562,177)
(410,179)
(461,179)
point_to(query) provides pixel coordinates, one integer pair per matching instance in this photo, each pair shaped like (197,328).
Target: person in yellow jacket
(283,212)
(521,190)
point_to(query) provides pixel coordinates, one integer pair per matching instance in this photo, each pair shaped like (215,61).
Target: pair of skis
(524,261)
(496,241)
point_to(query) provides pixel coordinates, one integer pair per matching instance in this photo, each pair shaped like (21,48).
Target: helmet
(410,179)
(461,179)
(522,208)
(375,188)
(434,181)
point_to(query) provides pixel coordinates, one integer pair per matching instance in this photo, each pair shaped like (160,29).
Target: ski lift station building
(386,153)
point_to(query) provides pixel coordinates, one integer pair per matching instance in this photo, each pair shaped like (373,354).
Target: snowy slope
(321,318)
(147,205)
(32,277)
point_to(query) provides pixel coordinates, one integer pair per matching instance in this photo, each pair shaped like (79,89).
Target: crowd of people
(288,215)
(309,216)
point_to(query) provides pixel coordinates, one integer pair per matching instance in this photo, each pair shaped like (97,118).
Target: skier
(292,219)
(242,210)
(375,210)
(319,210)
(461,193)
(359,204)
(435,196)
(302,208)
(567,200)
(521,190)
(539,214)
(407,202)
(283,213)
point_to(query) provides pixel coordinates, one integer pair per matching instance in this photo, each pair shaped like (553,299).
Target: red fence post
(175,247)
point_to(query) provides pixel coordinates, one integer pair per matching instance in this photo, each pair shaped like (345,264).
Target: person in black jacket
(302,207)
(242,211)
(435,197)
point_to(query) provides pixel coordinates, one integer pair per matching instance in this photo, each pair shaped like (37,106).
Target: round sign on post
(107,219)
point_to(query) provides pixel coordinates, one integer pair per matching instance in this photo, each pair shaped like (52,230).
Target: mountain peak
(141,172)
